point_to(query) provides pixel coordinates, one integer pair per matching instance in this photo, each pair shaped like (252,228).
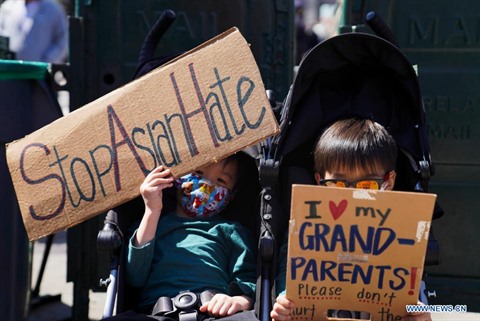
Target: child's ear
(318,177)
(390,181)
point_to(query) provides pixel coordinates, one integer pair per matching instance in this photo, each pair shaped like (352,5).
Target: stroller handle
(380,28)
(154,35)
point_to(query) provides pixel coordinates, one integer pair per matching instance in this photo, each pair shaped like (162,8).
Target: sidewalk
(54,283)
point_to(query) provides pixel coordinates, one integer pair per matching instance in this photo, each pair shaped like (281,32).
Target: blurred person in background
(315,21)
(37,29)
(329,13)
(305,38)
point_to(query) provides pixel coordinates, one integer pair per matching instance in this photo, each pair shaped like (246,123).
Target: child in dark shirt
(356,153)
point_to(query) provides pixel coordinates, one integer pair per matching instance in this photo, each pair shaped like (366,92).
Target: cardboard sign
(356,250)
(205,105)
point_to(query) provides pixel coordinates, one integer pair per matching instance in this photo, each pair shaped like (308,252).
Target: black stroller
(350,75)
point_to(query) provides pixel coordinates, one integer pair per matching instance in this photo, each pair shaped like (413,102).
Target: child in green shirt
(193,248)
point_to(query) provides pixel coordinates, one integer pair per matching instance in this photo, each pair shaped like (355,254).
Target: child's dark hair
(247,188)
(355,143)
(242,161)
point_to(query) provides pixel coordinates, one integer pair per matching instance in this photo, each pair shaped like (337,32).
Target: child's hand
(152,187)
(282,309)
(417,316)
(151,190)
(223,305)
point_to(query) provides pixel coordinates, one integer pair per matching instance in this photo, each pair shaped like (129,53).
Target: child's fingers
(223,308)
(281,310)
(156,188)
(159,171)
(284,302)
(158,182)
(233,309)
(203,308)
(213,307)
(279,317)
(220,306)
(207,307)
(153,179)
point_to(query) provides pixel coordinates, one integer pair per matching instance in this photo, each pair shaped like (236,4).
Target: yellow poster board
(356,250)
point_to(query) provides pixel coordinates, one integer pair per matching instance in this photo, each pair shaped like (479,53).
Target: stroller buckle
(186,300)
(185,305)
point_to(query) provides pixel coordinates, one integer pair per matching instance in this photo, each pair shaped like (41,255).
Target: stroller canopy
(354,74)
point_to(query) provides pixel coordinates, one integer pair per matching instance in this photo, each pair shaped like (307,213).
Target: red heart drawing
(337,211)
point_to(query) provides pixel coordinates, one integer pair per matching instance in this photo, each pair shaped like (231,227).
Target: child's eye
(198,173)
(221,181)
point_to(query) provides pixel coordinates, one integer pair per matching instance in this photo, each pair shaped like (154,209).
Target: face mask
(200,197)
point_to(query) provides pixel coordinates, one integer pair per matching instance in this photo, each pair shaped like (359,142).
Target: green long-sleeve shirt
(195,255)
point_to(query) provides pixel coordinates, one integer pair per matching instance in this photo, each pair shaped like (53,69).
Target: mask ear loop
(386,177)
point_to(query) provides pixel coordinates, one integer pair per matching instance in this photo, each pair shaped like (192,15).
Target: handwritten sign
(205,105)
(356,250)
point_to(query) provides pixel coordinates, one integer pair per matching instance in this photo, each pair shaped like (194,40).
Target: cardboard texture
(205,105)
(356,250)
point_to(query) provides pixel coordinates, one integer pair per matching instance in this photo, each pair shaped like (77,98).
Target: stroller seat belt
(184,305)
